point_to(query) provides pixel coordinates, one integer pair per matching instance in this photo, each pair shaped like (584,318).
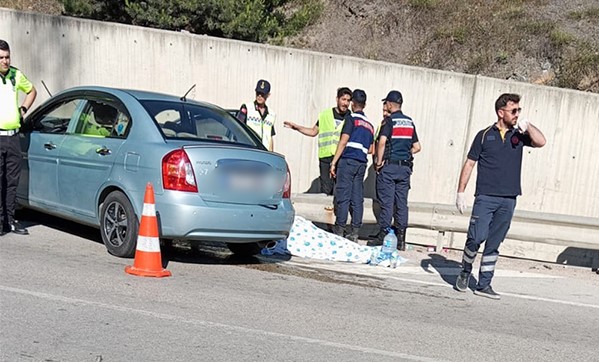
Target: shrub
(253,20)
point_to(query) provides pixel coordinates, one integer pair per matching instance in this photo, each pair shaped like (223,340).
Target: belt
(8,132)
(401,162)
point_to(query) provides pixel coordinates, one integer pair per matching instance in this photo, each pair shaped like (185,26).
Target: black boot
(378,239)
(354,234)
(401,239)
(338,230)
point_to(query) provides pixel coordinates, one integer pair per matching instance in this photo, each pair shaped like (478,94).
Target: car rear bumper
(230,223)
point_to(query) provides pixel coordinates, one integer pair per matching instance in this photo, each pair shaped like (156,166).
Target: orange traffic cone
(148,261)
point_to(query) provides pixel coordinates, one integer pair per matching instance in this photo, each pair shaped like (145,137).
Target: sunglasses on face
(514,111)
(261,95)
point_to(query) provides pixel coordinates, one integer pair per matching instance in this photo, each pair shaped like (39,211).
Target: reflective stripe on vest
(328,134)
(360,139)
(263,128)
(401,138)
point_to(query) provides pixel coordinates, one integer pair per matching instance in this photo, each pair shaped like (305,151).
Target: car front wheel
(118,225)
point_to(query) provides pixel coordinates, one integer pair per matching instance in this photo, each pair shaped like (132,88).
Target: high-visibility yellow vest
(262,127)
(328,134)
(10,84)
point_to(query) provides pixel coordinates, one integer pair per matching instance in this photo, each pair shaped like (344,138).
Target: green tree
(253,20)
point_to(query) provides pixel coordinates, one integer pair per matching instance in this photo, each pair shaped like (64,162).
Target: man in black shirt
(498,151)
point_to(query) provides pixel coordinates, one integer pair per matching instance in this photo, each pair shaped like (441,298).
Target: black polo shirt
(499,161)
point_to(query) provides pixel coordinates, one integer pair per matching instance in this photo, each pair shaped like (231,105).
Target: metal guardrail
(562,230)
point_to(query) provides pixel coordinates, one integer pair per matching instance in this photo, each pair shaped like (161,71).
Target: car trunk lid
(230,174)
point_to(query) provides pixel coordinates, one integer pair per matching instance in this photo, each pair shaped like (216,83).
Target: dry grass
(52,7)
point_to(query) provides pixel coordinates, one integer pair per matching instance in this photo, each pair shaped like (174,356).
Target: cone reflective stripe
(148,260)
(151,245)
(149,209)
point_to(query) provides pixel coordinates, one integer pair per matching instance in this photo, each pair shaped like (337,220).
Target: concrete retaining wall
(448,108)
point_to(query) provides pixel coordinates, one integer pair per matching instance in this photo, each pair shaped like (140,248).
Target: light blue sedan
(88,153)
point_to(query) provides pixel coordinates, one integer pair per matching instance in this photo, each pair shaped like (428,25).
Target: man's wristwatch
(23,109)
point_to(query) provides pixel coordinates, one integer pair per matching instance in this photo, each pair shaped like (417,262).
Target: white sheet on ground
(309,241)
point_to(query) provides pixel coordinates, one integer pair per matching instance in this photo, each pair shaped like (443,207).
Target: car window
(57,119)
(179,120)
(101,119)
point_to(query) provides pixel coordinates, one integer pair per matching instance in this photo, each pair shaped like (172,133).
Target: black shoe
(378,239)
(354,234)
(461,283)
(374,242)
(487,292)
(401,239)
(16,228)
(338,230)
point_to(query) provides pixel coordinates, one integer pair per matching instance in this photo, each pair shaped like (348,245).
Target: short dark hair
(4,45)
(504,99)
(343,91)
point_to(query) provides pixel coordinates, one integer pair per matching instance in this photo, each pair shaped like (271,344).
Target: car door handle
(49,146)
(103,151)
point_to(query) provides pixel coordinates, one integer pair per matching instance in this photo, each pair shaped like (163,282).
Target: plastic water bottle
(393,259)
(374,257)
(389,243)
(388,251)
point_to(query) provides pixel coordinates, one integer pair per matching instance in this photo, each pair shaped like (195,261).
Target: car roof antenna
(184,99)
(46,88)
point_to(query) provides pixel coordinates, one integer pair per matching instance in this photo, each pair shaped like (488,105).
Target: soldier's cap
(394,96)
(358,96)
(263,86)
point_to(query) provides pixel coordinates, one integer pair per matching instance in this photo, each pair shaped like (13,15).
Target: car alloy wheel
(119,225)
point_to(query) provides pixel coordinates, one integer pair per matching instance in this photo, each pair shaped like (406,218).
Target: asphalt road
(63,298)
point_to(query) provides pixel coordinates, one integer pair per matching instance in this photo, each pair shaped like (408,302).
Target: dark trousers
(349,192)
(392,187)
(490,221)
(10,170)
(327,183)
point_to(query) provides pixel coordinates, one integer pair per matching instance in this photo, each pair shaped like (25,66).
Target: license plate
(246,183)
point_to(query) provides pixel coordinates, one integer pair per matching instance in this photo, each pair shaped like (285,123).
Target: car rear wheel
(118,225)
(246,249)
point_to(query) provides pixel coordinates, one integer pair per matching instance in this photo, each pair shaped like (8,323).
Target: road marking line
(418,270)
(386,272)
(170,317)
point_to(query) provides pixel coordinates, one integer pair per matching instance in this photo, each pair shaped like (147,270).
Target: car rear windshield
(179,120)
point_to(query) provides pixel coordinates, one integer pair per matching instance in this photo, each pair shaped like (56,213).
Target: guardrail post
(441,241)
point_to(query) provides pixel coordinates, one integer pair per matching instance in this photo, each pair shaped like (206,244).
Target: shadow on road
(28,218)
(582,257)
(183,252)
(211,253)
(448,269)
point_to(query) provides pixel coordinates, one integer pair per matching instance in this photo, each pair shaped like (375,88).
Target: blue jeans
(490,222)
(349,191)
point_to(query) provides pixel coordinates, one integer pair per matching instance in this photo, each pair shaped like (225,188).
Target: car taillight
(177,172)
(287,186)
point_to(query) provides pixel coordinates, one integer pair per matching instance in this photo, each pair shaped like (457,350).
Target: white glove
(460,202)
(522,125)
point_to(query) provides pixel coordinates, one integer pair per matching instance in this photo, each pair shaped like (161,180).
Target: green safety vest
(10,116)
(328,135)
